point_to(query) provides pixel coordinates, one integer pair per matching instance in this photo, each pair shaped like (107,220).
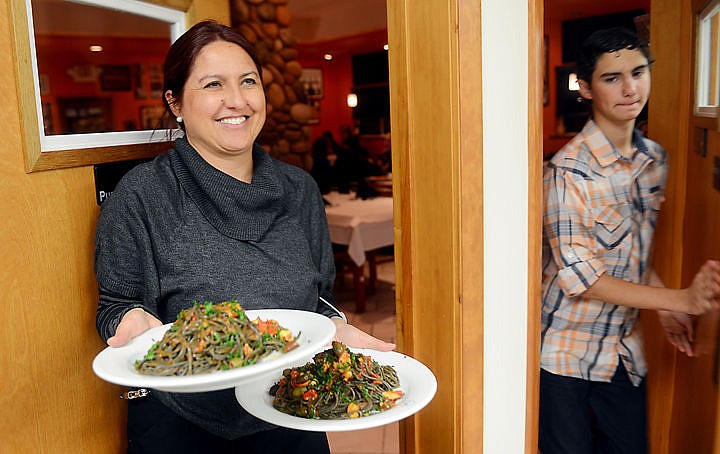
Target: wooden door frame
(435,55)
(536,68)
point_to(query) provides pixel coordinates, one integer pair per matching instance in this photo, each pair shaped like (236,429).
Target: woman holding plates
(215,218)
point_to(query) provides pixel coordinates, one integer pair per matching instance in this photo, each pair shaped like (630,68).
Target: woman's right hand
(134,322)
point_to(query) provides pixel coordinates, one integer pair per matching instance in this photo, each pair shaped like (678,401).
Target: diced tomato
(392,395)
(270,327)
(310,394)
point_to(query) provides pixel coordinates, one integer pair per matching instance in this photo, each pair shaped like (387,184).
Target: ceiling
(313,21)
(326,20)
(319,26)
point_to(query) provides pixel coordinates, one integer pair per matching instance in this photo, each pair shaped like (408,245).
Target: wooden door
(682,394)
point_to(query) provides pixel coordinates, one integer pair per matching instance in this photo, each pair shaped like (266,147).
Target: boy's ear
(585,90)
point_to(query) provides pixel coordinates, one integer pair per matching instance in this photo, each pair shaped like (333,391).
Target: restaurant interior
(340,58)
(327,69)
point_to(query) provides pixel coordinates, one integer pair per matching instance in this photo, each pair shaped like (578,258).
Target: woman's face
(223,102)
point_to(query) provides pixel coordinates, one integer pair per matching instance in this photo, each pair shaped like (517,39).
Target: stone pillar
(266,24)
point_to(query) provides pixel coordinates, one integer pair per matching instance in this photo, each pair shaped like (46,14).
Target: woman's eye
(212,84)
(249,81)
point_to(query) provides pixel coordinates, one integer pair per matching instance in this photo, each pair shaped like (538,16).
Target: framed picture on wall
(139,73)
(312,82)
(115,78)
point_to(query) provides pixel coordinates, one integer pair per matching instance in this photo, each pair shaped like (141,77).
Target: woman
(214,219)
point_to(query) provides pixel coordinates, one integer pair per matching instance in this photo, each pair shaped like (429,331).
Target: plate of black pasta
(214,346)
(340,389)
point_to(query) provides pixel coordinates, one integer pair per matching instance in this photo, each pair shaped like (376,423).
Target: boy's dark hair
(606,41)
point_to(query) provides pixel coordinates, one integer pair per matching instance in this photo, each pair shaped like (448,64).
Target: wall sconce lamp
(352,100)
(573,84)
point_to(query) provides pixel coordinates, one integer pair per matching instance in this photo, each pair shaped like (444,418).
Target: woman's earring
(179,119)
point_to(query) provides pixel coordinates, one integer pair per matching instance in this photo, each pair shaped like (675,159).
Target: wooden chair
(344,264)
(382,184)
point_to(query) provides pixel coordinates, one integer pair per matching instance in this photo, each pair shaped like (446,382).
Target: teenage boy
(602,195)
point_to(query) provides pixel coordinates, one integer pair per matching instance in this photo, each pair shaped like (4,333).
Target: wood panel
(693,427)
(682,397)
(536,57)
(694,416)
(424,99)
(51,401)
(668,103)
(471,226)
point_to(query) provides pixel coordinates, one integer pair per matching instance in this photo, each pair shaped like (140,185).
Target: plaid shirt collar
(605,152)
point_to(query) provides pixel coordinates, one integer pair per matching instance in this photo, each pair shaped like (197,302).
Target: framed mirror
(707,66)
(89,78)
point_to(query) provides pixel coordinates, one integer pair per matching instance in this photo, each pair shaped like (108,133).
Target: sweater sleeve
(111,309)
(121,245)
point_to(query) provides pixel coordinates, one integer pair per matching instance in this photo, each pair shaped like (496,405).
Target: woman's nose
(233,97)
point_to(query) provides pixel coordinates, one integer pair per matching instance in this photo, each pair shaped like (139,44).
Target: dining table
(363,226)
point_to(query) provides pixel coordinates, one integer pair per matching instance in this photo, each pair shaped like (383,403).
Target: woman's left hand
(354,337)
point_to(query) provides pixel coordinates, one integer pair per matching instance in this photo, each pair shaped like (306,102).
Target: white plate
(116,365)
(416,381)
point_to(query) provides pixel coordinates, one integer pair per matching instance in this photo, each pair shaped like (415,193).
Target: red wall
(337,75)
(337,83)
(58,54)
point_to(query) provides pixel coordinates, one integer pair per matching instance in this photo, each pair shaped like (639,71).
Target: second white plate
(116,365)
(416,381)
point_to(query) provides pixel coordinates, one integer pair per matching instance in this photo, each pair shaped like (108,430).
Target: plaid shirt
(599,217)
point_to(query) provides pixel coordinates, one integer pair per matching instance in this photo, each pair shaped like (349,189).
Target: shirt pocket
(613,226)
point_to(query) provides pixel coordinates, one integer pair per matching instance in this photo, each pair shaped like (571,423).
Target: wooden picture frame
(56,151)
(312,81)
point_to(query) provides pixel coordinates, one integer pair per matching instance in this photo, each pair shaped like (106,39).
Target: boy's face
(620,86)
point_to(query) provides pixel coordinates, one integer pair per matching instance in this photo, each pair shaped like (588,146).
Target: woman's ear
(585,90)
(172,103)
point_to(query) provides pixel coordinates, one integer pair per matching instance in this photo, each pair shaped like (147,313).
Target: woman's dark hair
(182,54)
(606,41)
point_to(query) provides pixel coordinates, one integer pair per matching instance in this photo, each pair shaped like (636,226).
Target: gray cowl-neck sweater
(177,230)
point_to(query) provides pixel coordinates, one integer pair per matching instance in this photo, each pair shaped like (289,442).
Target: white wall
(505,155)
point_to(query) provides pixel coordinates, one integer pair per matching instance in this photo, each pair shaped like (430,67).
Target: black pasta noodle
(337,384)
(210,337)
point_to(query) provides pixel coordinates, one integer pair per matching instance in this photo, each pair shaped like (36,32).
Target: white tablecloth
(362,225)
